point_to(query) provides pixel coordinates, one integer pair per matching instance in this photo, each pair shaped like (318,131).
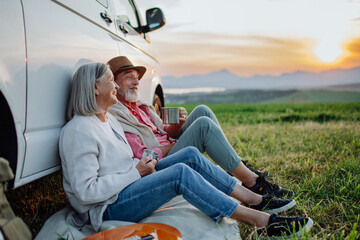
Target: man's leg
(207,137)
(199,111)
(222,181)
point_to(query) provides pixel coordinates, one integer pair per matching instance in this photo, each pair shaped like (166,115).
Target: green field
(266,96)
(313,149)
(315,96)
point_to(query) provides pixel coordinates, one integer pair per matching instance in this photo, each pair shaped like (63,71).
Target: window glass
(125,11)
(103,2)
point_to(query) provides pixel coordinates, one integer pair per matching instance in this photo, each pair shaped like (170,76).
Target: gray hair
(82,97)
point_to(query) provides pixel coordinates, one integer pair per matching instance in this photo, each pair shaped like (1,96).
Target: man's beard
(128,96)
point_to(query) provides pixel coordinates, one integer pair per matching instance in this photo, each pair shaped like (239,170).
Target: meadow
(313,149)
(269,96)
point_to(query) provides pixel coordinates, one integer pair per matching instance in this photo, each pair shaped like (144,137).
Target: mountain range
(347,79)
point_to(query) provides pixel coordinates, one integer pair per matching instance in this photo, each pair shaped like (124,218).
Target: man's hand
(146,166)
(174,129)
(182,115)
(166,149)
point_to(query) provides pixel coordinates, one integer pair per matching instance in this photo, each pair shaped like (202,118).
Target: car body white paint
(42,43)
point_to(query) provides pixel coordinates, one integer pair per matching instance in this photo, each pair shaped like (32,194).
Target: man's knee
(203,110)
(204,122)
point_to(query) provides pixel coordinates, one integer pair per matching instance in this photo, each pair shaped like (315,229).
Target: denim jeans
(202,130)
(187,173)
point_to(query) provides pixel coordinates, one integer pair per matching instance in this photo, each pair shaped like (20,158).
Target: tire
(157,104)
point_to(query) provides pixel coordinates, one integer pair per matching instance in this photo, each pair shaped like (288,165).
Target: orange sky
(249,37)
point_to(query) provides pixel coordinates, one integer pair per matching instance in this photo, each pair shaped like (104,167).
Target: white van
(42,43)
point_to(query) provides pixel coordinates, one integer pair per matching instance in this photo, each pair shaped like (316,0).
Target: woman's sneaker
(285,227)
(264,187)
(274,205)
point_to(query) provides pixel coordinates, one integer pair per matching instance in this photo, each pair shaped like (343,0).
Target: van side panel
(59,40)
(43,43)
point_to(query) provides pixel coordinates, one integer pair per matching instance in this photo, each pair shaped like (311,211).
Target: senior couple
(106,178)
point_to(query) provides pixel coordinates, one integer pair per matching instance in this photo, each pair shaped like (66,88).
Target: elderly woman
(103,180)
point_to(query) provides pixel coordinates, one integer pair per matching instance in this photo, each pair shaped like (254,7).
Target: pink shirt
(143,116)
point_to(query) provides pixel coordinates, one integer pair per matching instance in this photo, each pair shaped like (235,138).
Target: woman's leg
(198,162)
(147,194)
(211,173)
(144,196)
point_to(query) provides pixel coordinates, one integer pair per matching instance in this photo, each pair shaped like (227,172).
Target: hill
(296,80)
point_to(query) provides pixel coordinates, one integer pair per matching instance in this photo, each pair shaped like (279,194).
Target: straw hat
(121,63)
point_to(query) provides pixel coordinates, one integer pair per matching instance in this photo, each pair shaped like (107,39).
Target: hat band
(126,66)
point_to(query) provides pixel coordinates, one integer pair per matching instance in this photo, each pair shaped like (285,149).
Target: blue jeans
(203,131)
(187,173)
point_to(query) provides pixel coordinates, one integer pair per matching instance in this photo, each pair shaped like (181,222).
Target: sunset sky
(249,37)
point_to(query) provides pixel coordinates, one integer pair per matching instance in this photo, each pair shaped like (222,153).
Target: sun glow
(328,51)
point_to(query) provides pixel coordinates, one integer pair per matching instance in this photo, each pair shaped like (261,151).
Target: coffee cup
(170,115)
(150,153)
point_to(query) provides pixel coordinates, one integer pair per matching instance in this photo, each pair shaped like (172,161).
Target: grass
(318,96)
(38,200)
(313,149)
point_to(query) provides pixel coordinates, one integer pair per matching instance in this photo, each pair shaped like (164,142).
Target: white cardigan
(96,167)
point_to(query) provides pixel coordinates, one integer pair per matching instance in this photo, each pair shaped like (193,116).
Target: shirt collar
(126,104)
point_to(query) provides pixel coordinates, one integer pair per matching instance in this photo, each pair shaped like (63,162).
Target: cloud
(353,50)
(211,52)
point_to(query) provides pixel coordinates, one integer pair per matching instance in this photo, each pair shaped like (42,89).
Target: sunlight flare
(328,52)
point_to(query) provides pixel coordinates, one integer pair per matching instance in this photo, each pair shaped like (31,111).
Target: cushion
(191,222)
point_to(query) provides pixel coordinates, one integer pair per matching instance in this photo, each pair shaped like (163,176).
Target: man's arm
(138,146)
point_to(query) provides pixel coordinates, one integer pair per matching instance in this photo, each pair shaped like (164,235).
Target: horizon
(261,75)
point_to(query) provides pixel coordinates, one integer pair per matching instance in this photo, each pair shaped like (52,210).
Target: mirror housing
(155,19)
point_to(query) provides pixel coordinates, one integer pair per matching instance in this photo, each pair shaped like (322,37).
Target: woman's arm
(81,165)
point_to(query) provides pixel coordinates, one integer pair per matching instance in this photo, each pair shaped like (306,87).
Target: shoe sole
(298,234)
(281,209)
(304,229)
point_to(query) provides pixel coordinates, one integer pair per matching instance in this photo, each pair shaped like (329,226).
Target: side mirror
(155,19)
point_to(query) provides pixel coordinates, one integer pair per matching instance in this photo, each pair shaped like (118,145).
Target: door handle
(106,17)
(123,28)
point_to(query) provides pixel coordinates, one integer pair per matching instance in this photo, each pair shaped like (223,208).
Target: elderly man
(144,130)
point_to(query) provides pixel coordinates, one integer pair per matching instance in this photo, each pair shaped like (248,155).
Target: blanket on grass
(191,222)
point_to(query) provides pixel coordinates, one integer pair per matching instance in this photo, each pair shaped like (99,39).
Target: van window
(103,2)
(125,11)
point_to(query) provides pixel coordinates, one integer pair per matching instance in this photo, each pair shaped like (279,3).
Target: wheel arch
(160,93)
(8,136)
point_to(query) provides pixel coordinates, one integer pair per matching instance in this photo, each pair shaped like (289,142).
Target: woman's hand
(146,166)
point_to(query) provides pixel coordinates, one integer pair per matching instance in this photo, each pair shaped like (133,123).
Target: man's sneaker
(280,227)
(264,187)
(274,205)
(257,172)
